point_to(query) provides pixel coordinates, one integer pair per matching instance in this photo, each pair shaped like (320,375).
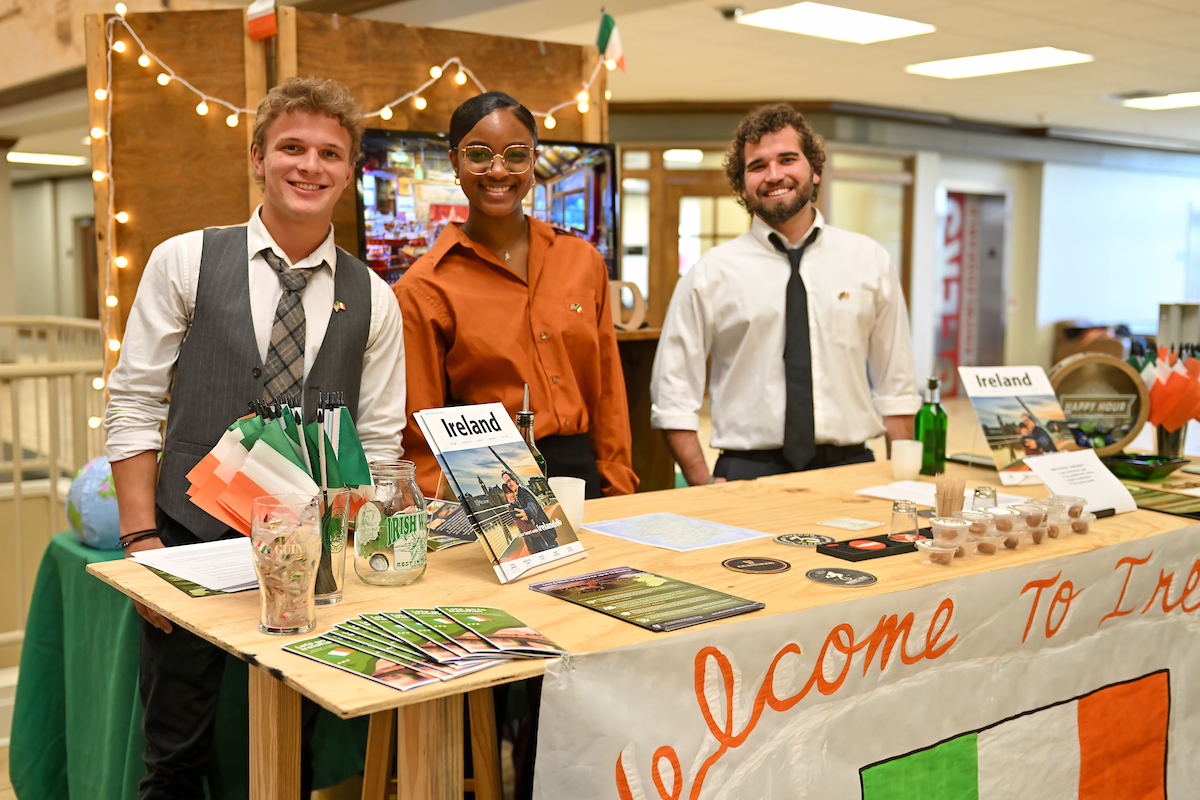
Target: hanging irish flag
(1108,745)
(609,42)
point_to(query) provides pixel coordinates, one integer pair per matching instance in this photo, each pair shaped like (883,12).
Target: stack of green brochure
(416,646)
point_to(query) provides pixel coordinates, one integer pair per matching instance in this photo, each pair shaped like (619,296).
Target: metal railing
(51,403)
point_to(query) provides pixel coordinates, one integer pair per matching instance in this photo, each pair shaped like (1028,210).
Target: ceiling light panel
(1161,102)
(998,63)
(46,159)
(831,22)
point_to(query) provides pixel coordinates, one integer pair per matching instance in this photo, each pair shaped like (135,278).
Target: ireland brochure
(647,600)
(513,512)
(449,525)
(503,630)
(342,656)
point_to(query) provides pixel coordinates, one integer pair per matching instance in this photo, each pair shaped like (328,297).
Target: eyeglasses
(516,158)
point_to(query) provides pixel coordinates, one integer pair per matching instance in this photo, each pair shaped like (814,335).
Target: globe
(92,506)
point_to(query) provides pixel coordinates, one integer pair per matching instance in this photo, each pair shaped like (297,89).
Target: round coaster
(757,565)
(866,544)
(804,539)
(840,577)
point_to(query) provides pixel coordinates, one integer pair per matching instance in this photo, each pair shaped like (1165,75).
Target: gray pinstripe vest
(219,370)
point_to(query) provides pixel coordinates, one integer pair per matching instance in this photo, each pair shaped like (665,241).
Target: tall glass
(335,521)
(904,522)
(286,536)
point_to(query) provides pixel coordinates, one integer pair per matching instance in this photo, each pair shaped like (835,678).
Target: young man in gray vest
(224,316)
(805,324)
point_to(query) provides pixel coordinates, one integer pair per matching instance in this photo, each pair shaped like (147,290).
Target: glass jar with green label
(391,531)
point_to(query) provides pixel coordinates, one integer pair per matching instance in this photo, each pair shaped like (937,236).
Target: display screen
(407,195)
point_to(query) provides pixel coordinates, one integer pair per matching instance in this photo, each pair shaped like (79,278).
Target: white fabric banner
(1070,678)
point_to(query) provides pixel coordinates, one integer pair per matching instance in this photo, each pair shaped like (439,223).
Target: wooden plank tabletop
(461,576)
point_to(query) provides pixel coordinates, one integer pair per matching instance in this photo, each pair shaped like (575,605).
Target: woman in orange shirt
(504,300)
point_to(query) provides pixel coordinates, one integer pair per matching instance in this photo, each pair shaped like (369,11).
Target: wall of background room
(48,276)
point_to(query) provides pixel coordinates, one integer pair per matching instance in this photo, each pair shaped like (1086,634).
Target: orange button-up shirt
(474,332)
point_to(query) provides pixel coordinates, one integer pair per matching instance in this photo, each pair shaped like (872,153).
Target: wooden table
(430,720)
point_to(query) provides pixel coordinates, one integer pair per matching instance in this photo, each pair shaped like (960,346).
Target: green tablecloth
(76,730)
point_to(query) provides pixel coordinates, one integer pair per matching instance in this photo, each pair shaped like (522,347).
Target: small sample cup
(1075,505)
(949,530)
(936,554)
(1007,525)
(985,497)
(904,521)
(989,543)
(1056,515)
(1083,523)
(981,525)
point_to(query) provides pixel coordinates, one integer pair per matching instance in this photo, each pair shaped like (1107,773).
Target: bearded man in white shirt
(222,317)
(805,324)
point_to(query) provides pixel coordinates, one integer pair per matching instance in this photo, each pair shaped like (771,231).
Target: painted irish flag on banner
(609,43)
(1107,745)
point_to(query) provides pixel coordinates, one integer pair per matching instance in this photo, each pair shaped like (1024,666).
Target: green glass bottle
(525,426)
(931,432)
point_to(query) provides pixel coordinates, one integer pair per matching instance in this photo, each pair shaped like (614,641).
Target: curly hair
(760,122)
(314,96)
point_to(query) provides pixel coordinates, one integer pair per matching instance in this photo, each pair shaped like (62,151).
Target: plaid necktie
(284,369)
(799,426)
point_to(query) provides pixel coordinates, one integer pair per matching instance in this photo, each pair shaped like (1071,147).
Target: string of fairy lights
(116,26)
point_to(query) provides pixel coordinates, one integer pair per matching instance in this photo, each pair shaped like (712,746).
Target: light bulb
(97,175)
(550,123)
(460,78)
(583,108)
(120,9)
(143,60)
(111,301)
(97,132)
(232,120)
(582,96)
(202,108)
(609,64)
(420,103)
(435,72)
(114,345)
(163,79)
(122,217)
(121,261)
(385,112)
(97,383)
(101,94)
(608,94)
(93,422)
(119,46)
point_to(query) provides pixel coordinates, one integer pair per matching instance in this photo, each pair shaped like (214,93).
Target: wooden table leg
(377,770)
(429,752)
(274,738)
(485,747)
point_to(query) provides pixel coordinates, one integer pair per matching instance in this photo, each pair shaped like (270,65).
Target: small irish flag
(609,43)
(260,19)
(1107,745)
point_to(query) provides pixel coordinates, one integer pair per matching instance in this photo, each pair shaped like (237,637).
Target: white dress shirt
(140,385)
(732,305)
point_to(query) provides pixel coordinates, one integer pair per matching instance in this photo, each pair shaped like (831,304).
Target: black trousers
(179,681)
(746,465)
(571,457)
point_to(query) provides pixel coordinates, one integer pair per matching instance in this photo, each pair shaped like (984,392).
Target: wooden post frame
(174,170)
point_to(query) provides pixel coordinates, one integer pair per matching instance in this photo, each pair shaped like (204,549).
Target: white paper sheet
(225,565)
(1081,473)
(922,493)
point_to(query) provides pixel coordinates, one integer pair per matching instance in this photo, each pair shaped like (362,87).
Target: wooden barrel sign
(1103,398)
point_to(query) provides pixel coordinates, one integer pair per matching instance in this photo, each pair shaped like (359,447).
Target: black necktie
(799,428)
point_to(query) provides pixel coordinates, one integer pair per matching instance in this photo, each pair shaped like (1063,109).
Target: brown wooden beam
(44,87)
(344,7)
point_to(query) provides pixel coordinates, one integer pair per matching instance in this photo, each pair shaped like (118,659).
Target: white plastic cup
(569,493)
(906,459)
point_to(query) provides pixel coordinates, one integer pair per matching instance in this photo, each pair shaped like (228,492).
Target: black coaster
(864,547)
(803,539)
(764,566)
(840,577)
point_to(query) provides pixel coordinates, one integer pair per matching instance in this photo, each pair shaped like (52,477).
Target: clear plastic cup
(1031,516)
(989,544)
(1057,521)
(982,523)
(936,554)
(949,530)
(1008,526)
(1083,523)
(1075,505)
(904,522)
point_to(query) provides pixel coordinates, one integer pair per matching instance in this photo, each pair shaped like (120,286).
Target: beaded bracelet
(137,536)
